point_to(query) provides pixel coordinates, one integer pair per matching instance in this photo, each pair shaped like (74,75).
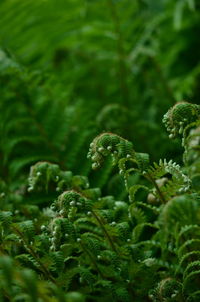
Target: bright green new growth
(78,245)
(179,116)
(109,143)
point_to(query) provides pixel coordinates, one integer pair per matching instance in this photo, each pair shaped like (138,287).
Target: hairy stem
(105,231)
(152,180)
(92,259)
(43,269)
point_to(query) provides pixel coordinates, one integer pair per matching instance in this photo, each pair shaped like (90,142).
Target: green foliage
(121,222)
(87,246)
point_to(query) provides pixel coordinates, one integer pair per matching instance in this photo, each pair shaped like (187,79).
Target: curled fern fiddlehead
(113,117)
(179,116)
(43,174)
(122,153)
(168,290)
(106,144)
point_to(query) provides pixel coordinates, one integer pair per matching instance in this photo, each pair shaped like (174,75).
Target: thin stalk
(104,230)
(43,269)
(92,259)
(149,177)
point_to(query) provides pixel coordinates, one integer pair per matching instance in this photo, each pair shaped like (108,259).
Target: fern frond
(179,182)
(179,116)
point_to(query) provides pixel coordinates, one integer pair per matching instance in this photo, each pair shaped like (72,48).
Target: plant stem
(43,269)
(104,230)
(149,177)
(92,259)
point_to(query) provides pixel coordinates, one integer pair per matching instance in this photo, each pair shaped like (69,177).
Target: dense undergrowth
(62,240)
(97,203)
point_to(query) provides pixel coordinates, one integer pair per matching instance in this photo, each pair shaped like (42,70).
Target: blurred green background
(70,70)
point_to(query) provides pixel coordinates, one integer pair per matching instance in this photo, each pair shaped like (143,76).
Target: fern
(76,76)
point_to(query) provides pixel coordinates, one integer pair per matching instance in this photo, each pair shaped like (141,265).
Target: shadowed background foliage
(72,69)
